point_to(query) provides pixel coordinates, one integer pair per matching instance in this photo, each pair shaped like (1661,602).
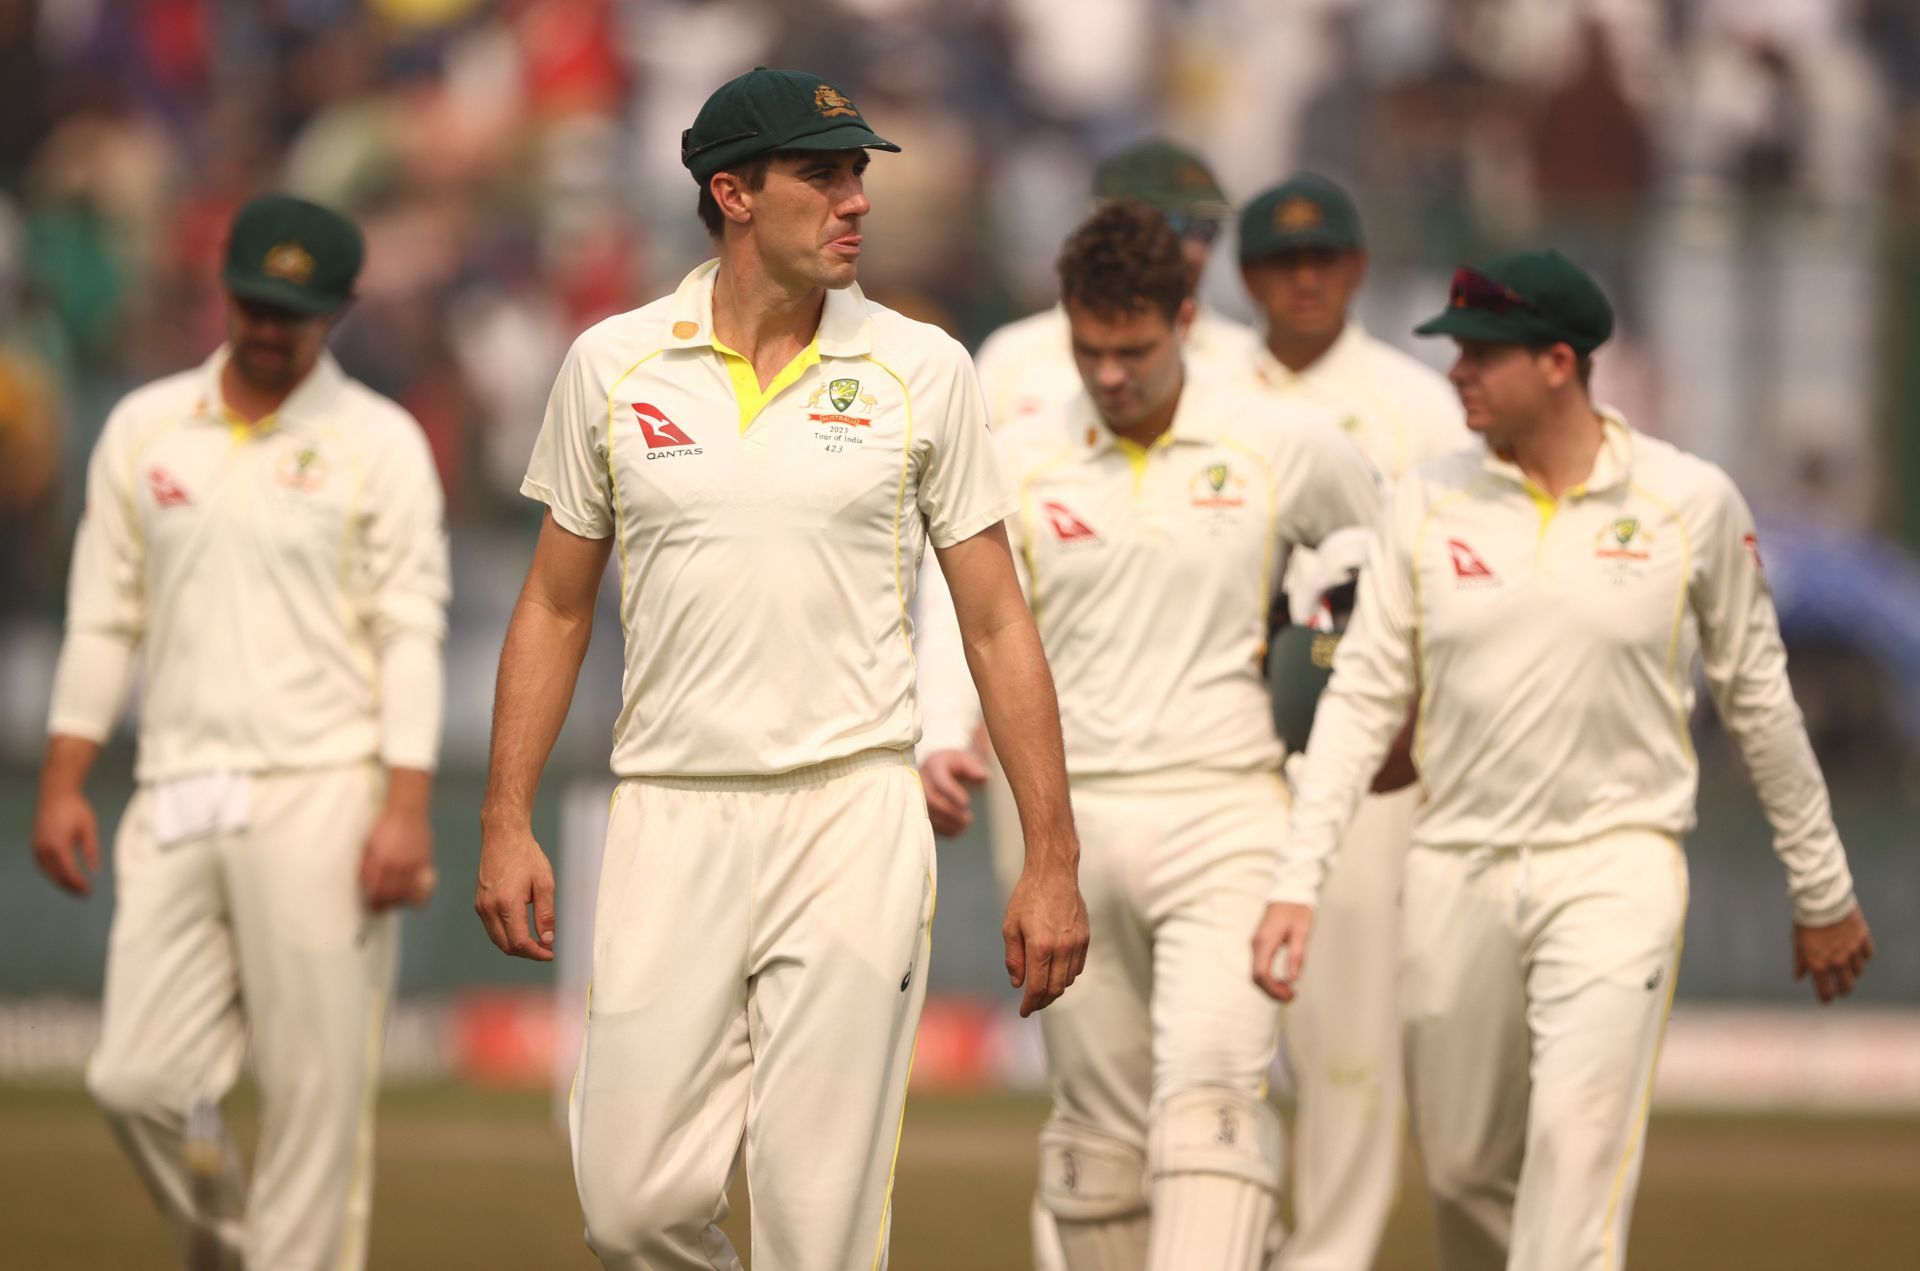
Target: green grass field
(480,1179)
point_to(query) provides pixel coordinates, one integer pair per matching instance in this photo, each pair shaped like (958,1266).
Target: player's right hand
(66,833)
(949,778)
(1045,934)
(1834,955)
(1282,933)
(515,873)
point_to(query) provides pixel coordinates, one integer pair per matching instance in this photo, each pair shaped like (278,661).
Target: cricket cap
(1525,298)
(1174,181)
(292,254)
(767,110)
(1303,212)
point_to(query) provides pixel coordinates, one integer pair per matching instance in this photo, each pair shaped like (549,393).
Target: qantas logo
(665,439)
(1066,526)
(1467,565)
(167,493)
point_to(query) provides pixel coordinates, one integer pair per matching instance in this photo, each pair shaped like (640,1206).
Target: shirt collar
(846,324)
(310,398)
(1611,467)
(1277,374)
(1194,422)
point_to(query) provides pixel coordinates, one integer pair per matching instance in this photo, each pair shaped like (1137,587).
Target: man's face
(806,218)
(1129,362)
(273,348)
(1305,292)
(1504,388)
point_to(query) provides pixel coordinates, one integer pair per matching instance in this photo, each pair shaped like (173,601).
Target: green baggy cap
(1305,211)
(767,110)
(1172,180)
(1525,298)
(293,254)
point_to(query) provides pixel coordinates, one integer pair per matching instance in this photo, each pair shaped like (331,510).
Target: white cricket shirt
(768,543)
(1399,411)
(1552,644)
(1150,572)
(286,582)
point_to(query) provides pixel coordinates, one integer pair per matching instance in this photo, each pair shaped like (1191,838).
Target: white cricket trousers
(1175,882)
(258,934)
(1343,1048)
(759,962)
(1535,990)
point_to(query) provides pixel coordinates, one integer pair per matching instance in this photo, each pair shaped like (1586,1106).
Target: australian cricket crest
(301,468)
(1623,545)
(1218,491)
(838,427)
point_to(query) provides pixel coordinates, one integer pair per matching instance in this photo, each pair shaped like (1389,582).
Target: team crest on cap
(1297,213)
(1191,176)
(289,261)
(830,102)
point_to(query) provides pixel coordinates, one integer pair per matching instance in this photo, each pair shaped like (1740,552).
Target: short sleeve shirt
(766,570)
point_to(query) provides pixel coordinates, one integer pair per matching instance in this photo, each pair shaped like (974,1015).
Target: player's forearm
(1023,721)
(68,761)
(90,683)
(412,699)
(409,791)
(1767,726)
(1353,731)
(539,665)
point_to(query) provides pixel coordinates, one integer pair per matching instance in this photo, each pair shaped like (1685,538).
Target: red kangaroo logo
(660,431)
(1465,563)
(167,493)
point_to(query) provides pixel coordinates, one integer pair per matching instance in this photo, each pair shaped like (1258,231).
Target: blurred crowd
(515,166)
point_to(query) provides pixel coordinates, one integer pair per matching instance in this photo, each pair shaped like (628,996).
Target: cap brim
(1478,324)
(843,137)
(1300,241)
(279,293)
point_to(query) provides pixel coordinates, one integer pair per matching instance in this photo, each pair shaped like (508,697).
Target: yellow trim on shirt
(900,496)
(1137,455)
(1676,672)
(746,381)
(240,430)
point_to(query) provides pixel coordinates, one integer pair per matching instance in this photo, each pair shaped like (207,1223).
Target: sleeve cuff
(961,531)
(562,516)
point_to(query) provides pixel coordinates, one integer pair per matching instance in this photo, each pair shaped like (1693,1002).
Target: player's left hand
(1834,955)
(1283,930)
(1046,934)
(396,866)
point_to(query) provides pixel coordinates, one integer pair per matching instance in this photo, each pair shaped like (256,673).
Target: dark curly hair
(1123,258)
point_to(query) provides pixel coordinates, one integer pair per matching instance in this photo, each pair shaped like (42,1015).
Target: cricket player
(1156,514)
(768,453)
(1542,599)
(1303,258)
(266,534)
(1027,367)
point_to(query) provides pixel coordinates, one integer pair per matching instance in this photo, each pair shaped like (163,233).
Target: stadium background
(1743,175)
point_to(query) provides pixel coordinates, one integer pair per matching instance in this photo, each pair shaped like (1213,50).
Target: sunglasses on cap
(1473,290)
(1193,225)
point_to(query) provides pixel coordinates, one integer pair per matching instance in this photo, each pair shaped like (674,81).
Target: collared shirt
(1026,367)
(266,571)
(1552,643)
(767,555)
(1150,572)
(1399,411)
